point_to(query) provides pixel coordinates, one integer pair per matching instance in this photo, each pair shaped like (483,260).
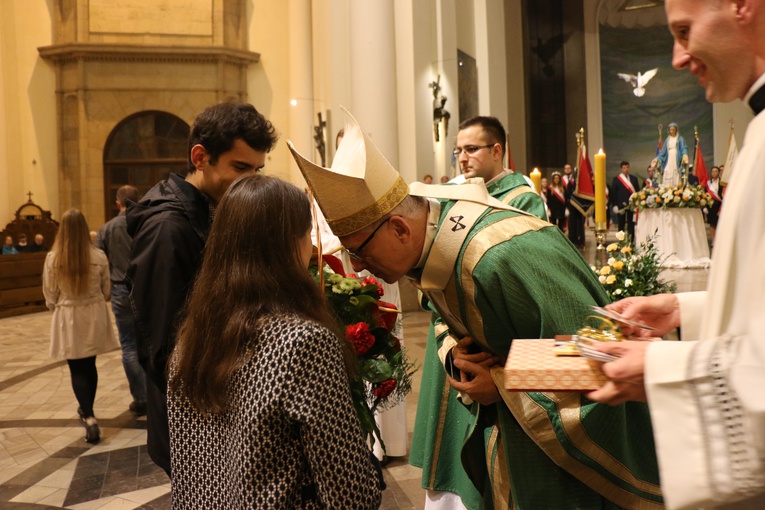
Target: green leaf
(376,370)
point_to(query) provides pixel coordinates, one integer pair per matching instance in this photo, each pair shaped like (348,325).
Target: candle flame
(600,152)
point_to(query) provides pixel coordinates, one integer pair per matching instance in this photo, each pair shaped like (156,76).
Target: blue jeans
(126,328)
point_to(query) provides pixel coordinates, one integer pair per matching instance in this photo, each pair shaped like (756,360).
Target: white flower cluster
(342,285)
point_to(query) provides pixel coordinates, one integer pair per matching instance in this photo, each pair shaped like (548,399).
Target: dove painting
(640,81)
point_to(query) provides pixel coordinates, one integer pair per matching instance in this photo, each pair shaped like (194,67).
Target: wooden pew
(21,284)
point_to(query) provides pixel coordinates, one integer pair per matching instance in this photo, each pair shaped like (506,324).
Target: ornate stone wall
(113,60)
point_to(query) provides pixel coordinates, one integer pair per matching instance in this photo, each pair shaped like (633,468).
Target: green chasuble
(442,421)
(513,190)
(519,277)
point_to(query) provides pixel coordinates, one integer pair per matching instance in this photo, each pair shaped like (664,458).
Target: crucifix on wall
(440,114)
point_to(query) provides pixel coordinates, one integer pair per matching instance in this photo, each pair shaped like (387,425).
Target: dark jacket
(619,195)
(169,227)
(114,240)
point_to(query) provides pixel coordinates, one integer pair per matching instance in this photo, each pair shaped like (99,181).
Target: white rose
(602,279)
(618,291)
(620,236)
(611,261)
(627,282)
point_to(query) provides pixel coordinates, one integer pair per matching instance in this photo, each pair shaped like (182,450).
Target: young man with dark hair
(169,227)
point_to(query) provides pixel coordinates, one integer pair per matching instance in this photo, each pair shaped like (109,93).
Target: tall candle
(600,190)
(536,178)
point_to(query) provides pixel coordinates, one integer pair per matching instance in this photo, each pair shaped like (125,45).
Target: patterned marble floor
(45,462)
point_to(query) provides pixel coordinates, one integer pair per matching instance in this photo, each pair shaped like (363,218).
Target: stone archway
(142,150)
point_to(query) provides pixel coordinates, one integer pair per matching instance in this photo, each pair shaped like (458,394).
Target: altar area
(680,239)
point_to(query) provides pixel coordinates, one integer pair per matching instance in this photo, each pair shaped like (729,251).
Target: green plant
(632,272)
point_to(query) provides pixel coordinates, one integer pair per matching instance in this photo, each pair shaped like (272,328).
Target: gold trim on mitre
(359,188)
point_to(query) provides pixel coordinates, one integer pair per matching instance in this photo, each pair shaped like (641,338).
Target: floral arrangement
(672,196)
(370,326)
(632,272)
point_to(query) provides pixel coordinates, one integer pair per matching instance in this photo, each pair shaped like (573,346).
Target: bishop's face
(389,251)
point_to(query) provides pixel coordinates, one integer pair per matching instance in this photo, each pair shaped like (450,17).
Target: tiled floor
(45,462)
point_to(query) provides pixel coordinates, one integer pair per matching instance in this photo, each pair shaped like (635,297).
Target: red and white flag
(699,167)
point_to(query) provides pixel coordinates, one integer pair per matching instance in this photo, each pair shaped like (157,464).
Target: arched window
(142,150)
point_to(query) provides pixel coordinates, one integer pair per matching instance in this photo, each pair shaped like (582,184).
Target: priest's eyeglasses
(470,149)
(356,254)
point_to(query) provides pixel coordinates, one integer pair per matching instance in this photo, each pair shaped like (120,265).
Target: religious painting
(641,90)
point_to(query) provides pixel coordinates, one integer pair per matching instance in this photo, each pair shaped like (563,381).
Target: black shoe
(92,433)
(137,408)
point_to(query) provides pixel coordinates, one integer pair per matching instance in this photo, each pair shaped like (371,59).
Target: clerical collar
(500,175)
(434,214)
(756,95)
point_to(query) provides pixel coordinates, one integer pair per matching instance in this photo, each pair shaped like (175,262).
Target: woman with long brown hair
(259,401)
(556,201)
(76,288)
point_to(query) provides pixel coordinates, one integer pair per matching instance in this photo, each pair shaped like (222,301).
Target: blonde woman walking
(76,288)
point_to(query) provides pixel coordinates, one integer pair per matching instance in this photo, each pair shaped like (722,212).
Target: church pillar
(373,73)
(301,84)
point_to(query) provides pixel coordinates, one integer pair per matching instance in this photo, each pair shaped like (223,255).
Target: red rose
(358,334)
(370,280)
(386,388)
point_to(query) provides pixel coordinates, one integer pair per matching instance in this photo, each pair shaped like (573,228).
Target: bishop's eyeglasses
(356,254)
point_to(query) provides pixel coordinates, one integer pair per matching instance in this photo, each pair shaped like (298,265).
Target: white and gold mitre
(360,187)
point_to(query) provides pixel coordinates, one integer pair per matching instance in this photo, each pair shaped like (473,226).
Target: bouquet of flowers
(631,272)
(672,196)
(370,326)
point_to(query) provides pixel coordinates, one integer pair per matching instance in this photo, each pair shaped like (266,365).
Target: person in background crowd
(76,288)
(716,190)
(575,216)
(428,179)
(556,201)
(114,240)
(650,181)
(544,185)
(8,248)
(622,188)
(39,244)
(255,421)
(444,179)
(22,245)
